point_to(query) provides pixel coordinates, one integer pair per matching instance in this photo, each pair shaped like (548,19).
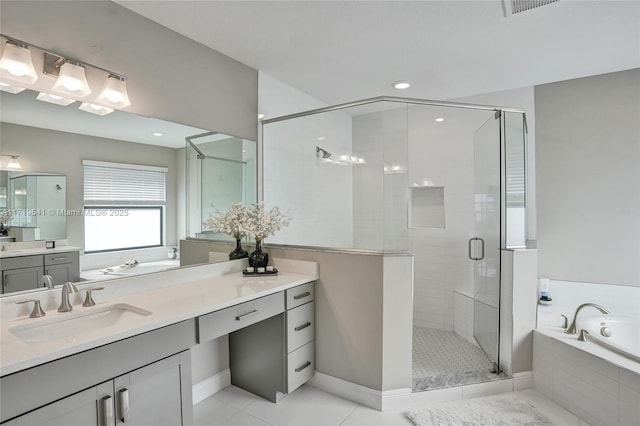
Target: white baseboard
(353,392)
(210,386)
(522,380)
(405,398)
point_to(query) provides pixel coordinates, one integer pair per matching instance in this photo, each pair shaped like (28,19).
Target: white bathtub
(623,333)
(140,268)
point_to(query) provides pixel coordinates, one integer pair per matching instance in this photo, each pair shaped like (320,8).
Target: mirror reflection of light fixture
(95,109)
(114,92)
(16,64)
(5,87)
(13,163)
(72,80)
(54,99)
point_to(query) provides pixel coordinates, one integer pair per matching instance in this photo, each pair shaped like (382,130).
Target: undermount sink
(84,320)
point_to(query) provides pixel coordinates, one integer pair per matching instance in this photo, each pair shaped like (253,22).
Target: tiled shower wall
(442,154)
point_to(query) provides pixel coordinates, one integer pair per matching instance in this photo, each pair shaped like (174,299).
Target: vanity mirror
(63,140)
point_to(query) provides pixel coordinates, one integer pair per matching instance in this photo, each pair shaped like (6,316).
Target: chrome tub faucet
(573,329)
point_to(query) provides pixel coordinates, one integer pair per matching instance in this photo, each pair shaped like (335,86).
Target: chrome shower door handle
(471,240)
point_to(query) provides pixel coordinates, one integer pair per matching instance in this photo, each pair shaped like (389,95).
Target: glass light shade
(10,89)
(16,64)
(14,164)
(114,93)
(72,81)
(54,99)
(95,109)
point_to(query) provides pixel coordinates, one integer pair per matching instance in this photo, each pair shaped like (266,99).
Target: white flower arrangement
(239,221)
(234,222)
(5,216)
(264,223)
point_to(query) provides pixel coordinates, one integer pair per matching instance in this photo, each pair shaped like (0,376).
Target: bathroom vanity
(135,368)
(22,269)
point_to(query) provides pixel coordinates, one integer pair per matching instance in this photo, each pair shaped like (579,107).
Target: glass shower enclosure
(440,180)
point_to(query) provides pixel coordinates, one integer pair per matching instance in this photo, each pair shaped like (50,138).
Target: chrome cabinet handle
(107,411)
(300,296)
(303,326)
(248,314)
(124,405)
(55,259)
(303,366)
(37,309)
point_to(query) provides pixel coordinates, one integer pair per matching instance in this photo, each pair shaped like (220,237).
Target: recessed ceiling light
(321,138)
(401,85)
(158,134)
(260,116)
(439,119)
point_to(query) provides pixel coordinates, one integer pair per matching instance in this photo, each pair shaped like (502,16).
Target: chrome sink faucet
(67,288)
(47,281)
(573,329)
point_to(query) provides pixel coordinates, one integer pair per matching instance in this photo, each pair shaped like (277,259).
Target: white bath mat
(503,411)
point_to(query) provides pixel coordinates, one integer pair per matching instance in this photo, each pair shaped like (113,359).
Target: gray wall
(588,178)
(168,75)
(51,151)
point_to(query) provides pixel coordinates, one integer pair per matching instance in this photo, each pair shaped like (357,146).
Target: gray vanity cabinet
(62,267)
(151,395)
(21,273)
(24,272)
(79,409)
(275,356)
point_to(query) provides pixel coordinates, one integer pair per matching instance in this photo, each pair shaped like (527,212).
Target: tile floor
(309,406)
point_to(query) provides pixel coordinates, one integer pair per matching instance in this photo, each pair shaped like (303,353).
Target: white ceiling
(339,51)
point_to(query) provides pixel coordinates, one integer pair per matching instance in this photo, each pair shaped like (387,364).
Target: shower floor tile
(442,358)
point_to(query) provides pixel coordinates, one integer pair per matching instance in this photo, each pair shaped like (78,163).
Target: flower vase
(239,252)
(258,258)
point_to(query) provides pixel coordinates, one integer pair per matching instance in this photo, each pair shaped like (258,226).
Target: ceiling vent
(511,7)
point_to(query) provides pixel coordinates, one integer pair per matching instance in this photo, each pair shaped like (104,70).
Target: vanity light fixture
(5,87)
(13,163)
(16,64)
(54,99)
(114,92)
(401,85)
(95,109)
(72,80)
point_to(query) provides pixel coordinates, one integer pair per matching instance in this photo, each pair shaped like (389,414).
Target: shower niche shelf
(426,207)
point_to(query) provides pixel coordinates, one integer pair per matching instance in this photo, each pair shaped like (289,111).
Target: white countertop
(168,305)
(36,251)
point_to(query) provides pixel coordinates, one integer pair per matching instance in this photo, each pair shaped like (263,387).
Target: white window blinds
(113,183)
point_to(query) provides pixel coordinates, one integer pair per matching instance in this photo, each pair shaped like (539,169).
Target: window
(123,206)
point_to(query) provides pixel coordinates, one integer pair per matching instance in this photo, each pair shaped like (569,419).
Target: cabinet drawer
(300,326)
(21,262)
(301,366)
(59,258)
(299,295)
(225,321)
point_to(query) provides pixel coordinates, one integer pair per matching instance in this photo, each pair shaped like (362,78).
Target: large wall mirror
(58,142)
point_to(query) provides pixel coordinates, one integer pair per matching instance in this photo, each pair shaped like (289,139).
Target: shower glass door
(484,246)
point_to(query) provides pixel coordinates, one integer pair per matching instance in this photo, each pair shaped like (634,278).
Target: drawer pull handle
(303,366)
(248,314)
(303,326)
(107,411)
(300,296)
(55,259)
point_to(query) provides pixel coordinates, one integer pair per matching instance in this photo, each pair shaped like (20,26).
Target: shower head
(325,153)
